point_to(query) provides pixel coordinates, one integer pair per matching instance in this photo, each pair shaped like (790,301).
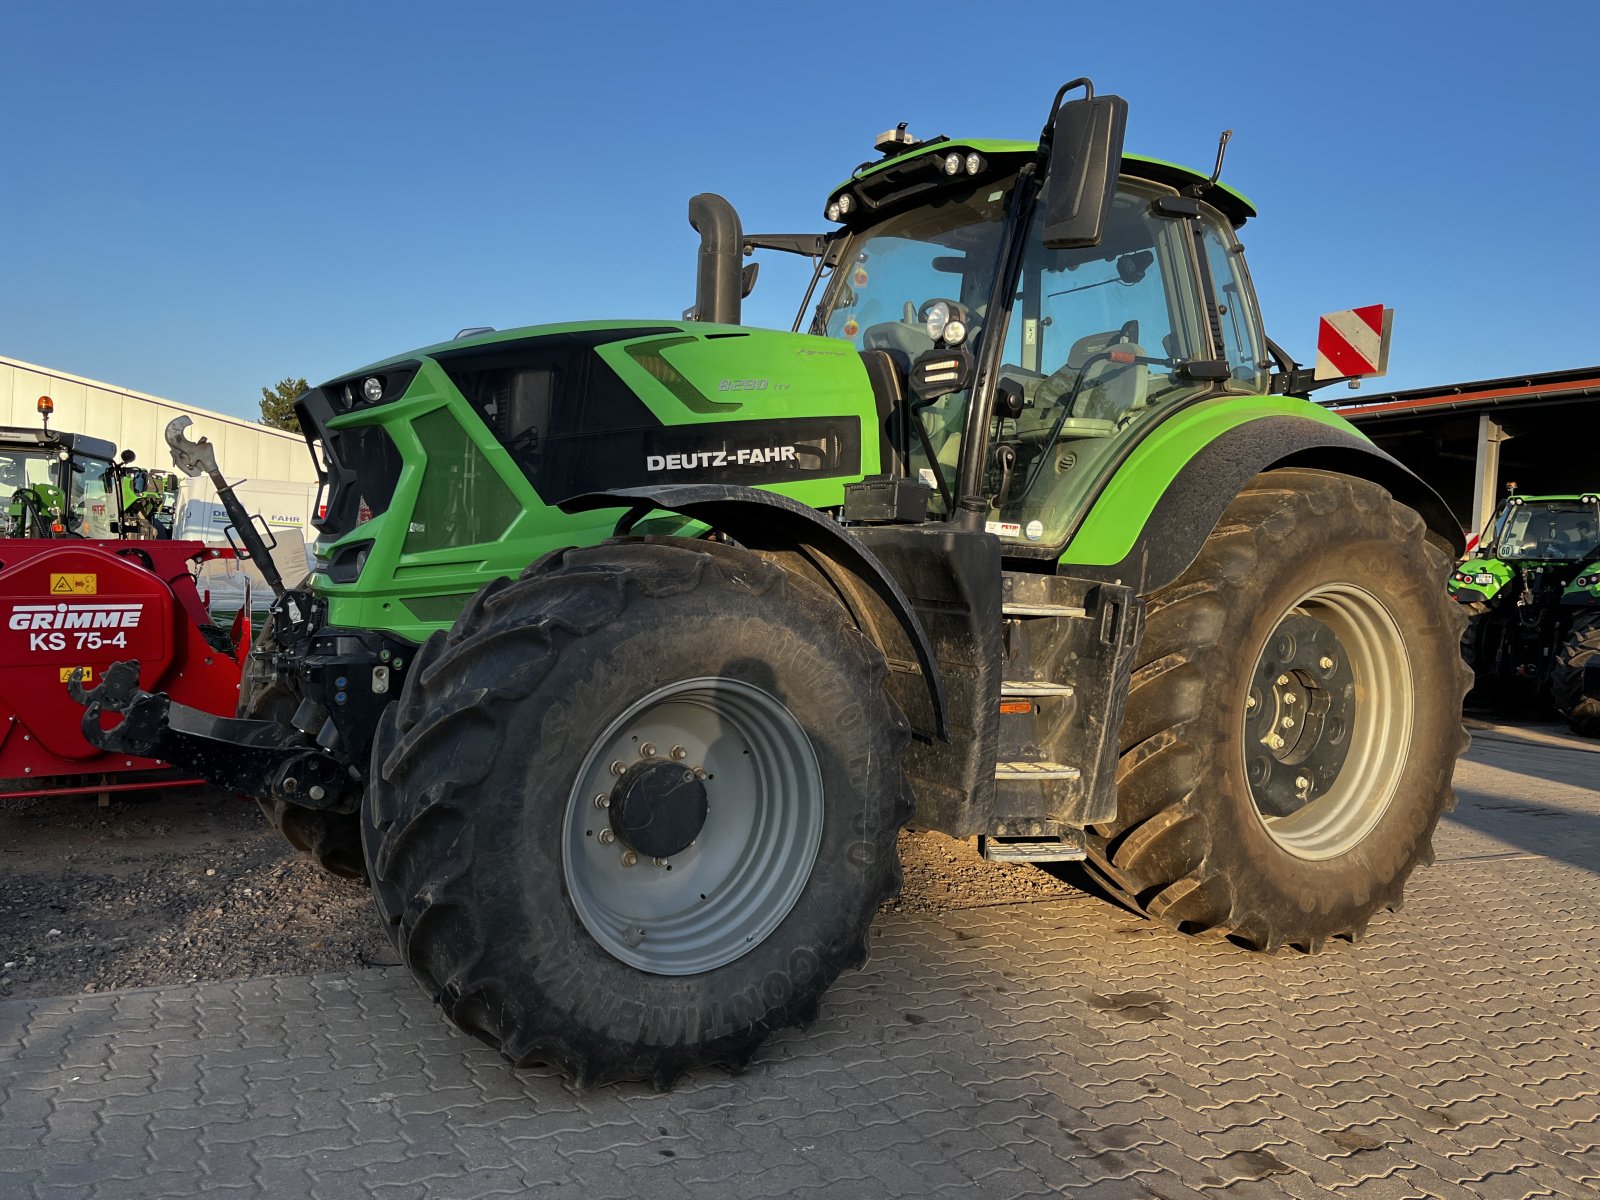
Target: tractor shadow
(1533,789)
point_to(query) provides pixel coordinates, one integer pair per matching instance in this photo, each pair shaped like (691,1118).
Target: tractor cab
(58,484)
(946,258)
(62,484)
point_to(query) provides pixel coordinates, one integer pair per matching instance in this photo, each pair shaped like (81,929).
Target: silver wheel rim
(724,894)
(1380,712)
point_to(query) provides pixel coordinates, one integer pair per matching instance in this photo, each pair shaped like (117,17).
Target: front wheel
(1293,720)
(636,811)
(1581,711)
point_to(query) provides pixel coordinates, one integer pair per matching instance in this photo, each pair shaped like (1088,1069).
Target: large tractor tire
(637,809)
(1293,720)
(1566,676)
(331,840)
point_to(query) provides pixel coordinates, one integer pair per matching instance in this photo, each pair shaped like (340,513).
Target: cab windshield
(1548,532)
(890,276)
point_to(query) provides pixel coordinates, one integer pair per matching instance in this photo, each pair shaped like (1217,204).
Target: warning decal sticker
(73,585)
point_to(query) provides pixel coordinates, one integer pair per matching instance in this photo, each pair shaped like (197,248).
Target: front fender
(1148,523)
(810,542)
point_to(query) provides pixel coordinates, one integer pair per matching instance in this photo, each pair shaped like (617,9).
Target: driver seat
(1109,390)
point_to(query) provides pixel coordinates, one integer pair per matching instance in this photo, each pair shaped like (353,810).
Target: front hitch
(262,759)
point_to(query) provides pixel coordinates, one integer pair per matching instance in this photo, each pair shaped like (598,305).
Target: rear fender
(1179,508)
(805,541)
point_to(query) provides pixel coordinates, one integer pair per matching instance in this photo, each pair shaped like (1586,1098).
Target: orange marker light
(46,405)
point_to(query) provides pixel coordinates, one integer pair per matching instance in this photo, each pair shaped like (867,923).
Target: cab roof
(1011,154)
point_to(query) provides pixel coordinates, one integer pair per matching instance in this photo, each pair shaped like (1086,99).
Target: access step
(1034,770)
(1034,689)
(1020,609)
(1066,847)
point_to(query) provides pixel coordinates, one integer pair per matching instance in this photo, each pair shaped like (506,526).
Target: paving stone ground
(1059,1047)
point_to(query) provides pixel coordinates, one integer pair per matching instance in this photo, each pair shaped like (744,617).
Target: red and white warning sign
(1354,342)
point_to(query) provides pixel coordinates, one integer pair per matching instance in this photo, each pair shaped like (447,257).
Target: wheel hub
(1299,716)
(658,808)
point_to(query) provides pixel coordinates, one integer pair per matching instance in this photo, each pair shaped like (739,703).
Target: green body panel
(693,374)
(1122,508)
(1588,595)
(1467,591)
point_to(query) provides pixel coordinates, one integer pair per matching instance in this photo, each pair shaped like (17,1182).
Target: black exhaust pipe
(719,281)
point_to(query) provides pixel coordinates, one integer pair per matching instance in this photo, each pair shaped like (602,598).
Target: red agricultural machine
(82,585)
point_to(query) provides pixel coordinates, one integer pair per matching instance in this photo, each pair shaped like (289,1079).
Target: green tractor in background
(1532,592)
(59,484)
(632,646)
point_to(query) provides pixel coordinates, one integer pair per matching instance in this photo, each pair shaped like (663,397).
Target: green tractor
(59,484)
(1532,593)
(632,646)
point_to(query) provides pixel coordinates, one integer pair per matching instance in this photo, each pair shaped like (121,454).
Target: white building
(135,421)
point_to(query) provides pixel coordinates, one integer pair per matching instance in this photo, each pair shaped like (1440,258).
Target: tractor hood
(452,460)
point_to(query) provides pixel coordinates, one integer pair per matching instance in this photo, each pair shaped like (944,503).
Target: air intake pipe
(719,281)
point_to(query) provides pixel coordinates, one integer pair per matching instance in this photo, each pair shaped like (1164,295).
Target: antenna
(1222,149)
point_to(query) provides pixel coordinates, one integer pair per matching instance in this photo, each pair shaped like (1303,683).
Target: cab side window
(1241,331)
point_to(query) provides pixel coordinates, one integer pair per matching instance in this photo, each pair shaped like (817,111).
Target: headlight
(372,389)
(974,163)
(833,211)
(846,203)
(938,317)
(954,332)
(953,163)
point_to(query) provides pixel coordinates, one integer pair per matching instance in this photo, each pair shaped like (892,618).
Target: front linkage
(343,677)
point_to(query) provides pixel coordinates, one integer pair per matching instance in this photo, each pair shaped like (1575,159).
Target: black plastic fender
(1197,497)
(811,543)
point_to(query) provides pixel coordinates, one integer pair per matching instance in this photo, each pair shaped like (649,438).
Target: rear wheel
(332,840)
(1293,719)
(637,810)
(1566,676)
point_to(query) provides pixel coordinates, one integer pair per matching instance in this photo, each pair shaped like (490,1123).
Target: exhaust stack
(719,281)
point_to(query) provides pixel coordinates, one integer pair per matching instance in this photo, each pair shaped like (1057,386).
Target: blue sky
(197,200)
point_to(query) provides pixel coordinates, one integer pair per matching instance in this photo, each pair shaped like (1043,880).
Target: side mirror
(1085,156)
(128,456)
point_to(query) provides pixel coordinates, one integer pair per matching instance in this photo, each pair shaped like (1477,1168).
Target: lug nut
(629,858)
(1302,782)
(679,753)
(648,750)
(617,768)
(602,801)
(1288,722)
(1325,663)
(607,837)
(1249,701)
(1282,680)
(1289,699)
(660,862)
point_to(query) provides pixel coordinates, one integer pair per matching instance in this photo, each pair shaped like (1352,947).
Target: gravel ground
(165,888)
(192,884)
